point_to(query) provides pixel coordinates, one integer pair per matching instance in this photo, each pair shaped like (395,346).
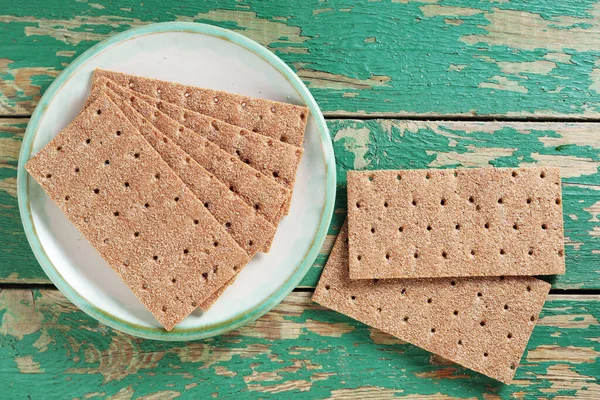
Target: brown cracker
(281,121)
(466,222)
(481,323)
(274,159)
(266,196)
(101,172)
(248,228)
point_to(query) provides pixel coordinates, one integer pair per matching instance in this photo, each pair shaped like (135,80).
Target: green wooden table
(403,84)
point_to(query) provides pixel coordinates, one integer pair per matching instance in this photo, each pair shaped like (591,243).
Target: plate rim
(177,334)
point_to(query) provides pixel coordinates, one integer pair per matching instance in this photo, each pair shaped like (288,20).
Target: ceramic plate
(205,56)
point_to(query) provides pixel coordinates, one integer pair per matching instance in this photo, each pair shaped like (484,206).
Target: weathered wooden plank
(299,349)
(400,144)
(409,57)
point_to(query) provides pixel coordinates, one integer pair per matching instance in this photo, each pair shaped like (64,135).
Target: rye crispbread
(266,196)
(281,121)
(465,222)
(154,233)
(481,323)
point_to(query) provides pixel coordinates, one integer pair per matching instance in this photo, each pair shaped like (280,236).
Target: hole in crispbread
(155,258)
(514,174)
(542,174)
(96,190)
(98,111)
(76,170)
(216,99)
(88,141)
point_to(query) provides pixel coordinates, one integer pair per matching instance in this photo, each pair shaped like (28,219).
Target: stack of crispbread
(445,259)
(177,187)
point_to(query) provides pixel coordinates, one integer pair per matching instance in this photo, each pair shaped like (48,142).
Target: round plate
(205,56)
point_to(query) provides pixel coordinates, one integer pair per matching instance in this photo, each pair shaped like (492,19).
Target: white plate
(205,56)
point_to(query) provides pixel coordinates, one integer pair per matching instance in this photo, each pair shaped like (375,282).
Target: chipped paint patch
(572,354)
(328,329)
(109,362)
(435,10)
(21,317)
(595,77)
(380,337)
(534,67)
(476,157)
(594,211)
(503,83)
(571,321)
(560,57)
(356,141)
(366,392)
(326,80)
(457,67)
(9,186)
(542,33)
(570,166)
(296,385)
(26,365)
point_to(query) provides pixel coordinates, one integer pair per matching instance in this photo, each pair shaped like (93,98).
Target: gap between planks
(426,117)
(299,289)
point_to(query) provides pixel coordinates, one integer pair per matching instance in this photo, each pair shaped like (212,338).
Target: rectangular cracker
(281,121)
(266,196)
(248,228)
(481,323)
(155,233)
(274,159)
(466,222)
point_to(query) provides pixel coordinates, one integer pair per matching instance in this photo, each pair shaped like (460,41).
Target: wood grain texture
(518,59)
(392,144)
(298,350)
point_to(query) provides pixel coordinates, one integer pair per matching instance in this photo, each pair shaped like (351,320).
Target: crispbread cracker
(273,158)
(282,121)
(267,197)
(481,323)
(248,228)
(466,222)
(152,231)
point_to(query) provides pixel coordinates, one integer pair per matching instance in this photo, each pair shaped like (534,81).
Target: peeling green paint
(82,357)
(407,51)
